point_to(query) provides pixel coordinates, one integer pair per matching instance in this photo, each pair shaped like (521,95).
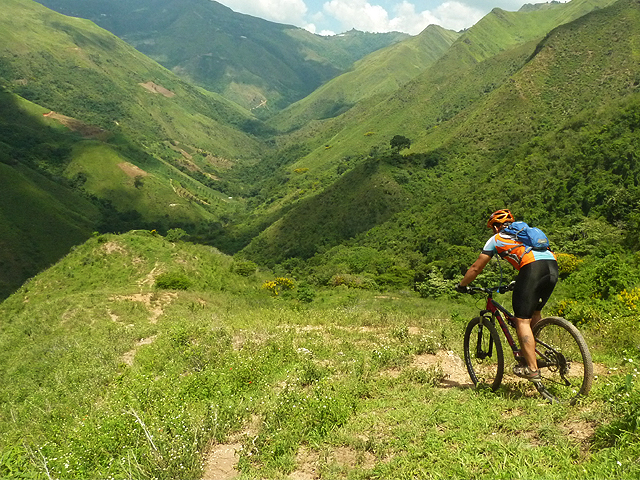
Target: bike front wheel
(483,353)
(564,360)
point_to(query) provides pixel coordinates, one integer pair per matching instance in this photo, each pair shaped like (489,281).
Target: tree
(400,142)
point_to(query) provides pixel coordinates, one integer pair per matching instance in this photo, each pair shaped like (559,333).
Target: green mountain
(467,119)
(380,72)
(99,137)
(261,65)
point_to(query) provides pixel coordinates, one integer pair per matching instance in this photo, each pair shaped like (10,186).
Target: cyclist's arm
(475,269)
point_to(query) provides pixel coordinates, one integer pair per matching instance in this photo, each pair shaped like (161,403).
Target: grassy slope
(40,221)
(107,376)
(79,70)
(380,72)
(472,116)
(370,196)
(245,58)
(436,95)
(75,68)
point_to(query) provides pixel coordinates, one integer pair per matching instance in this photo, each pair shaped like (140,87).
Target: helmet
(500,217)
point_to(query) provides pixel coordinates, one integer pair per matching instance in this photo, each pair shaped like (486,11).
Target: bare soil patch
(155,88)
(131,170)
(221,462)
(219,162)
(128,357)
(455,371)
(155,303)
(87,131)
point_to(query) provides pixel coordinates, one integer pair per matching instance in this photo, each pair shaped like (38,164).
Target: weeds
(334,376)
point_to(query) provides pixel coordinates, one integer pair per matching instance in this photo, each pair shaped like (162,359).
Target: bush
(435,286)
(567,264)
(173,281)
(175,234)
(306,293)
(245,268)
(278,285)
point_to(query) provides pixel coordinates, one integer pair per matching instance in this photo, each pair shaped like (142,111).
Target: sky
(330,17)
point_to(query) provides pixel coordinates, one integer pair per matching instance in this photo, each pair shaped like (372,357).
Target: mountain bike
(563,356)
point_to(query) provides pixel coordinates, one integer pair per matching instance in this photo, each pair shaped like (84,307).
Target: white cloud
(362,15)
(280,11)
(358,14)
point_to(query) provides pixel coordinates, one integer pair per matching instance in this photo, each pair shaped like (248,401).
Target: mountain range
(262,66)
(154,124)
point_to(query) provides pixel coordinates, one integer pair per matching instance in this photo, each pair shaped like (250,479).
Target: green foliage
(604,277)
(624,400)
(399,142)
(245,268)
(306,293)
(175,234)
(173,281)
(435,286)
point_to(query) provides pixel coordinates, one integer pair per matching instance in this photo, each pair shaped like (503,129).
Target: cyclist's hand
(462,288)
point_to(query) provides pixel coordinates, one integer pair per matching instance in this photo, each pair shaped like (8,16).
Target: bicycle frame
(497,311)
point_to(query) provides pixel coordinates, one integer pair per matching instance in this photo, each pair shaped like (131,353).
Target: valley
(227,238)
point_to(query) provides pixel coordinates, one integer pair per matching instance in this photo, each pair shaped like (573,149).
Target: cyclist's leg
(527,342)
(537,316)
(526,308)
(544,288)
(534,285)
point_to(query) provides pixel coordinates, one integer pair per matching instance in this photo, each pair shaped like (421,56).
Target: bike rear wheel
(564,360)
(483,354)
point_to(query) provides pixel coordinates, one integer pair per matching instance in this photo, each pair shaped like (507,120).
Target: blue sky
(327,17)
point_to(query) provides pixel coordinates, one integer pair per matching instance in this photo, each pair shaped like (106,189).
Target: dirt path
(220,462)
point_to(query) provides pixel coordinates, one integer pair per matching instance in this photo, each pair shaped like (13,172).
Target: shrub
(567,263)
(435,285)
(306,293)
(245,268)
(278,285)
(175,234)
(173,281)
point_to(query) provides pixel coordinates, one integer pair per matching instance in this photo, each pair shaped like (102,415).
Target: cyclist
(537,277)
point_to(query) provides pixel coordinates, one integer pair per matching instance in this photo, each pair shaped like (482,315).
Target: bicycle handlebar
(499,289)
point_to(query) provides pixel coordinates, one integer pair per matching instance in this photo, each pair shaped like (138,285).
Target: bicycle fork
(480,353)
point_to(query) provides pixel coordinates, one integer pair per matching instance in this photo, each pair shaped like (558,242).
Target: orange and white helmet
(500,217)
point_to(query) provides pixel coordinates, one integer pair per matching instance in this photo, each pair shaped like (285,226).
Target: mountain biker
(537,277)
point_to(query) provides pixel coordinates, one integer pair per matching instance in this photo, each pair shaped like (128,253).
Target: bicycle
(563,356)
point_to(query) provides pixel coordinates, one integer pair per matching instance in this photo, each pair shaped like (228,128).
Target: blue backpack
(531,237)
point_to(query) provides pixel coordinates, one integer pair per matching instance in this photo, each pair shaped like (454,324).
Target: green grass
(108,376)
(383,71)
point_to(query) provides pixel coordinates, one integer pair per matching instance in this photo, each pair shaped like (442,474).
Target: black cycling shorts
(533,287)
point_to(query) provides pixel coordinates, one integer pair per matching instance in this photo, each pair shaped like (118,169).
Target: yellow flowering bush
(630,299)
(278,285)
(567,263)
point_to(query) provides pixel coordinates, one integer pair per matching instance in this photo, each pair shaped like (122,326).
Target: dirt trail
(220,462)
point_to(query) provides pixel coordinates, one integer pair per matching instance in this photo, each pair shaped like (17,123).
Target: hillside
(136,356)
(101,138)
(261,65)
(380,72)
(77,69)
(480,117)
